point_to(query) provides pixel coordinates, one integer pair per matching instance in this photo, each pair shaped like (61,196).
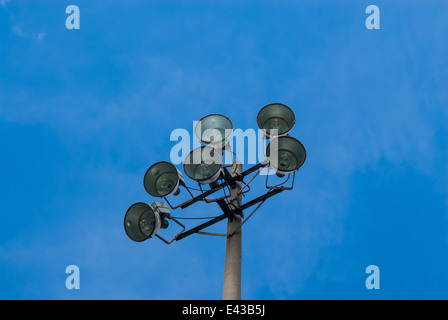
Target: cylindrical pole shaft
(232,268)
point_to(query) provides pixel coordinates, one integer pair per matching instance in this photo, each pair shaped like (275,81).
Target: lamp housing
(275,116)
(162,179)
(214,129)
(203,164)
(285,154)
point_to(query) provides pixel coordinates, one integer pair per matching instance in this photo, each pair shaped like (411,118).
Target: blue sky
(83,113)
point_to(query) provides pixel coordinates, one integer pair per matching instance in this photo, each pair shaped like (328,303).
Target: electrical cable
(280,184)
(239,227)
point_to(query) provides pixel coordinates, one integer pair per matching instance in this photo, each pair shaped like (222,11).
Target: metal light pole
(232,267)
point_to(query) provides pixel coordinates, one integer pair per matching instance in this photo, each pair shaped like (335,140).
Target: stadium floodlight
(276,116)
(290,155)
(203,164)
(214,129)
(143,221)
(162,179)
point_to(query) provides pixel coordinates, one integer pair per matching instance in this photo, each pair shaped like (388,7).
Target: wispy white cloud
(18,31)
(4,2)
(39,36)
(34,36)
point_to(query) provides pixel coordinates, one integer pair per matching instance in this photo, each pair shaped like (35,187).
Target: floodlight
(214,129)
(276,116)
(203,164)
(290,155)
(162,179)
(141,222)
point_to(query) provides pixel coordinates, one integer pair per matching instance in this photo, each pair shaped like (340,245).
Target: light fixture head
(203,164)
(141,222)
(285,154)
(162,179)
(214,129)
(276,116)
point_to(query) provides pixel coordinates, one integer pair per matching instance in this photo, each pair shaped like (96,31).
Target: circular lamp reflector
(214,129)
(203,164)
(141,222)
(162,179)
(276,116)
(290,155)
